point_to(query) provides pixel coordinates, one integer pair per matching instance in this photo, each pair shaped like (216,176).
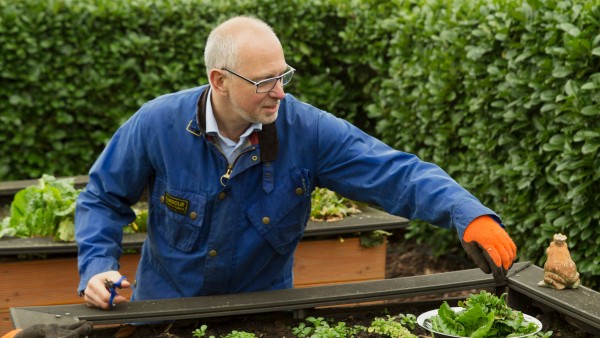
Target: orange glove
(12,333)
(490,247)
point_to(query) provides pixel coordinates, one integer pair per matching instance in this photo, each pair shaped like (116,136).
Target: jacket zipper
(227,174)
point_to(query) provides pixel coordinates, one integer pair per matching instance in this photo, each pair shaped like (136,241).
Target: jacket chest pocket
(280,216)
(181,215)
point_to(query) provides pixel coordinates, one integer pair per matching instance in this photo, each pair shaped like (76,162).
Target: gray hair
(220,50)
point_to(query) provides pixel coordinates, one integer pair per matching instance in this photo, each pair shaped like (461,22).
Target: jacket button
(162,199)
(266,220)
(193,215)
(299,191)
(212,253)
(222,195)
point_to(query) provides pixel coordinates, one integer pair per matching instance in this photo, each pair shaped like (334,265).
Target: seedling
(393,326)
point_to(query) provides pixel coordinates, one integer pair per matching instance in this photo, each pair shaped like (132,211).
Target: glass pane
(266,86)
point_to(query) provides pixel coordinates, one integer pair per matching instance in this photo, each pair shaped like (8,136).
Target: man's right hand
(96,294)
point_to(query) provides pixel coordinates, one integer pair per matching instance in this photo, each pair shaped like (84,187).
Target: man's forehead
(264,58)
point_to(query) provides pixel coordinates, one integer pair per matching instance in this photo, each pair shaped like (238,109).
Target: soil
(404,258)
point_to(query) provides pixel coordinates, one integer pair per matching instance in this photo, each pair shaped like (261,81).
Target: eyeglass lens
(268,85)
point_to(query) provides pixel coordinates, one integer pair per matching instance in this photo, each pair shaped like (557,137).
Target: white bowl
(424,320)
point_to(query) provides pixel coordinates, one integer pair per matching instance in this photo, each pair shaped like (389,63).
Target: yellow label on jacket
(178,205)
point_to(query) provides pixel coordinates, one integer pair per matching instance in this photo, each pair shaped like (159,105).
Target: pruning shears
(112,288)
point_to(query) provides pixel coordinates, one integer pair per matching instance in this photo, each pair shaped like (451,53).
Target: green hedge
(504,95)
(73,71)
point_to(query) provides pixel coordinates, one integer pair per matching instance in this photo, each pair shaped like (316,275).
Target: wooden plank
(581,304)
(333,261)
(264,301)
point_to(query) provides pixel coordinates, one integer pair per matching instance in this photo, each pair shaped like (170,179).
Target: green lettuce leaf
(42,210)
(446,322)
(474,319)
(483,315)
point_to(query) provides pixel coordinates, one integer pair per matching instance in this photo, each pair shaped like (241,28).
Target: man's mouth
(272,108)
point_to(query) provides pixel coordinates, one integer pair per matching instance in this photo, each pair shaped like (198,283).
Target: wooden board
(333,261)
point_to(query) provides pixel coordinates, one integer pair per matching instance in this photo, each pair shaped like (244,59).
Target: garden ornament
(559,271)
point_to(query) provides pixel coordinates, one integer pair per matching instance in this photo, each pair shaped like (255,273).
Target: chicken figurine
(559,271)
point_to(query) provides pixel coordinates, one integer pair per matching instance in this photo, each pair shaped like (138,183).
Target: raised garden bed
(348,261)
(275,313)
(277,324)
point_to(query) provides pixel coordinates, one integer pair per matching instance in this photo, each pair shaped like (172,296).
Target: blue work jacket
(215,228)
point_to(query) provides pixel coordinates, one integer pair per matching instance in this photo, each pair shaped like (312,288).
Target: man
(230,168)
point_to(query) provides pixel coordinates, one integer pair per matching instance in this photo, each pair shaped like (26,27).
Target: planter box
(54,281)
(320,259)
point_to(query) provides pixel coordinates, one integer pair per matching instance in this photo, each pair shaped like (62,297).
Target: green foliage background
(504,95)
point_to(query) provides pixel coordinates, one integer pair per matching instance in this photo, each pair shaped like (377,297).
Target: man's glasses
(266,85)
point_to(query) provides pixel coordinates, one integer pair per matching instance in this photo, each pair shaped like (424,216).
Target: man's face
(261,59)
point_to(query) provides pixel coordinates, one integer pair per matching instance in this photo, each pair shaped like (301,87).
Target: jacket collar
(267,138)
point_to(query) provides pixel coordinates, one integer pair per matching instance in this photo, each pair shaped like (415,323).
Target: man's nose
(277,91)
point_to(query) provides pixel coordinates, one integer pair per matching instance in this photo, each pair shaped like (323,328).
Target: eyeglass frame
(258,83)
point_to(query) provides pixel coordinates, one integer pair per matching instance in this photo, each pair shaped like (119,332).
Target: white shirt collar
(212,128)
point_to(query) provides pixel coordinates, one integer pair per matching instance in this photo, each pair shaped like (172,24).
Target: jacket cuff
(94,267)
(469,211)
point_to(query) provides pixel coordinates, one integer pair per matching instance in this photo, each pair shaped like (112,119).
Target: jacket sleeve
(365,169)
(116,182)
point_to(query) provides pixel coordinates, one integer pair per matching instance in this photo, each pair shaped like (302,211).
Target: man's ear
(218,81)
